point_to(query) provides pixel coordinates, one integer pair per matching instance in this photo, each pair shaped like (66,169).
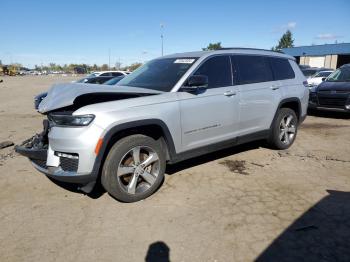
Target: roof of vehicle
(346,65)
(233,50)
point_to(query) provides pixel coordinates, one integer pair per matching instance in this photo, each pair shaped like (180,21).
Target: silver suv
(172,108)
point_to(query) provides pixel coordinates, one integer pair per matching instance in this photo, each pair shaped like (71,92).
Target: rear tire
(134,168)
(284,129)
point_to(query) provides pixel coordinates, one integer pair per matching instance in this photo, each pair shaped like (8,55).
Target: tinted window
(116,74)
(253,69)
(281,68)
(218,71)
(105,74)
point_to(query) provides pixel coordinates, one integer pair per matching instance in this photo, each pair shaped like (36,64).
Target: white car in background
(316,79)
(109,73)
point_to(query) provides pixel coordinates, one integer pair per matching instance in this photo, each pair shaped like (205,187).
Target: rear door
(211,115)
(258,92)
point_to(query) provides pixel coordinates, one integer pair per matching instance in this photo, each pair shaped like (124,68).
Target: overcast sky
(36,32)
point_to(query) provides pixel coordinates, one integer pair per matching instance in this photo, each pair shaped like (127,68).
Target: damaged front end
(66,148)
(59,166)
(37,149)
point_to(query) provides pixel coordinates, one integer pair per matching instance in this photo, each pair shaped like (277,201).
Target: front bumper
(49,159)
(330,102)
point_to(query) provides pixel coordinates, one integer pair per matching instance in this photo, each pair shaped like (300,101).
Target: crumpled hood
(63,95)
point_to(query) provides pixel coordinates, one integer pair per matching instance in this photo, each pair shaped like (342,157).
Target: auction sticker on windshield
(184,61)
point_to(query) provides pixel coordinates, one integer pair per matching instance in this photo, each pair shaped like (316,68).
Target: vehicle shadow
(329,114)
(96,193)
(321,234)
(171,169)
(158,252)
(99,191)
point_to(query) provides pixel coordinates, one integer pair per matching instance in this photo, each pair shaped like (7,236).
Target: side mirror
(198,81)
(323,78)
(195,82)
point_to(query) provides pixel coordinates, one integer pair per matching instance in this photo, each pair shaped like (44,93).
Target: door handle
(275,87)
(230,93)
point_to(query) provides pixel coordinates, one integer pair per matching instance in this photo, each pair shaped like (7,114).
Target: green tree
(212,46)
(286,41)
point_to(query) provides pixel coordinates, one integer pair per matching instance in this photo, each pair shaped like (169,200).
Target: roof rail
(248,48)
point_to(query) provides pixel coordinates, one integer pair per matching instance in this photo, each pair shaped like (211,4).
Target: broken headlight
(70,120)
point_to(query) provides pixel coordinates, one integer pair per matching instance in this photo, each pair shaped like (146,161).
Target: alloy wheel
(287,129)
(138,169)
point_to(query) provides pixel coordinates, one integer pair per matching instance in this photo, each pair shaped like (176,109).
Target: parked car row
(330,90)
(109,73)
(311,71)
(100,79)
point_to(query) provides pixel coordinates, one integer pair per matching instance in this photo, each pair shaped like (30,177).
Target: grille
(332,101)
(69,164)
(41,163)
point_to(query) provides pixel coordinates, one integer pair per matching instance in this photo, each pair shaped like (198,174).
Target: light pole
(109,59)
(162,37)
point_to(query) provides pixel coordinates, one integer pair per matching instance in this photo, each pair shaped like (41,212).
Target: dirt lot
(243,204)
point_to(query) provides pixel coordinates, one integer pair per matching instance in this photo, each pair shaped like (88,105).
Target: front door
(211,115)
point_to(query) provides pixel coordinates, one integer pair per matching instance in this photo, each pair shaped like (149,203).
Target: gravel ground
(242,204)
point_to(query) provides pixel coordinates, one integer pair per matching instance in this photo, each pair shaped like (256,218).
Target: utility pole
(162,37)
(109,59)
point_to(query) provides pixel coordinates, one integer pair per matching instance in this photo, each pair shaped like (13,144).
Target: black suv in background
(334,92)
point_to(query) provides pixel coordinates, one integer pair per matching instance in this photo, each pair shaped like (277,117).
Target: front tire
(284,129)
(134,168)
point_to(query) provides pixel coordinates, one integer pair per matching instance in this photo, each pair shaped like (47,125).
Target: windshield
(159,74)
(322,74)
(340,75)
